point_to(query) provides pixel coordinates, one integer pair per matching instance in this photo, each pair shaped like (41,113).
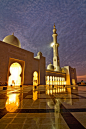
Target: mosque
(20,67)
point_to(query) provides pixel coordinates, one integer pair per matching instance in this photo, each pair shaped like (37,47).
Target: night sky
(32,23)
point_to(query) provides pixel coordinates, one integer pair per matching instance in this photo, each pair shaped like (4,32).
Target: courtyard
(43,107)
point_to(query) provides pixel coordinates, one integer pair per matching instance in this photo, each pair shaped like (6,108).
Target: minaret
(56,63)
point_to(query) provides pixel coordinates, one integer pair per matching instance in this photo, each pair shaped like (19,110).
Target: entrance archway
(15,71)
(35,78)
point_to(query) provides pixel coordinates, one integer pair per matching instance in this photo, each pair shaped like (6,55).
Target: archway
(35,78)
(47,80)
(50,80)
(15,71)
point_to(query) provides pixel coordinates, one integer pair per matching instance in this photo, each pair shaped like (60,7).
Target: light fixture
(52,44)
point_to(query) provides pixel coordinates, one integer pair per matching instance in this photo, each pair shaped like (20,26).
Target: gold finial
(50,62)
(13,33)
(54,25)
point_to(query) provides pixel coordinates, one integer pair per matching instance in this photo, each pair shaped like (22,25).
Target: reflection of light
(12,102)
(35,95)
(50,91)
(64,89)
(58,89)
(53,90)
(51,44)
(74,88)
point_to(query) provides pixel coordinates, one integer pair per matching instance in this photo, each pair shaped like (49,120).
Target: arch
(35,78)
(50,80)
(15,71)
(47,80)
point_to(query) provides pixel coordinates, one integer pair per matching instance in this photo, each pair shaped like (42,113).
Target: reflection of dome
(11,39)
(50,67)
(51,104)
(39,54)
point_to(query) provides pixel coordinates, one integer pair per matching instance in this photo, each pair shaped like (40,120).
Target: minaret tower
(56,63)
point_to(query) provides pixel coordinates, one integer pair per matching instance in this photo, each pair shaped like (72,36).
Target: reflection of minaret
(56,63)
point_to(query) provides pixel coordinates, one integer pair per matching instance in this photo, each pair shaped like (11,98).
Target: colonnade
(51,80)
(56,89)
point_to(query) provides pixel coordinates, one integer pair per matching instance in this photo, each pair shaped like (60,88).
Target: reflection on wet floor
(12,102)
(55,89)
(40,107)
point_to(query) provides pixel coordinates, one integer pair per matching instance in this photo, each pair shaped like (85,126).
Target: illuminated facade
(55,75)
(20,67)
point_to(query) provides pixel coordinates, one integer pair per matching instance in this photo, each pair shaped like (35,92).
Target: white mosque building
(20,67)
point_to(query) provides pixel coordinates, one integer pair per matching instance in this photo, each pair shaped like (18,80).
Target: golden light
(73,81)
(74,88)
(52,44)
(14,78)
(35,78)
(35,95)
(53,90)
(64,89)
(58,89)
(50,91)
(50,80)
(64,82)
(47,80)
(12,102)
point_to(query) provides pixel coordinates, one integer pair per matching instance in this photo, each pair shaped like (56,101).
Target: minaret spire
(54,26)
(13,33)
(56,63)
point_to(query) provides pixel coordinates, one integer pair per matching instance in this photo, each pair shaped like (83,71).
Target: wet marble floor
(43,107)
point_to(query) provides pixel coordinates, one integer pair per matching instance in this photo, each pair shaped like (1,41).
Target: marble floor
(43,107)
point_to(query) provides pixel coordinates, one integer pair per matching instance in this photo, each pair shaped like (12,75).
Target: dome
(39,54)
(11,39)
(50,67)
(64,70)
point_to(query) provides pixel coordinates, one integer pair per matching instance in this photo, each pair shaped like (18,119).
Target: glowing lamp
(64,82)
(52,44)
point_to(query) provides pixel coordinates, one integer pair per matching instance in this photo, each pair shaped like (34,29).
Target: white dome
(11,39)
(50,67)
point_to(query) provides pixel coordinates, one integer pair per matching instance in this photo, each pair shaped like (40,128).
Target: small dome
(50,67)
(64,70)
(39,54)
(11,39)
